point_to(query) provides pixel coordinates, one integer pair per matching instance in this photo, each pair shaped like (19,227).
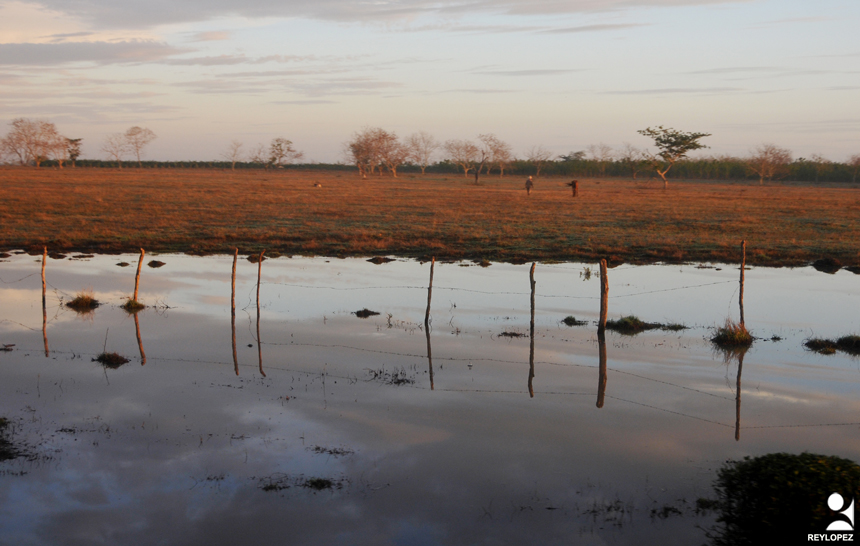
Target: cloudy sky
(559,73)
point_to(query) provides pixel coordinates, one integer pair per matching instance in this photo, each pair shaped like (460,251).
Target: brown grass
(213,211)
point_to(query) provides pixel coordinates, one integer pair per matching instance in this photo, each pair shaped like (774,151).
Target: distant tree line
(374,151)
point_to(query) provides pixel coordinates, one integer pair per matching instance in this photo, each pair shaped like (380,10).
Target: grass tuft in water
(365,313)
(632,325)
(732,334)
(84,302)
(847,344)
(571,321)
(132,306)
(111,360)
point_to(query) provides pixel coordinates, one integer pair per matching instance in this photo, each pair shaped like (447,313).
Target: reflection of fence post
(427,322)
(532,332)
(738,399)
(259,343)
(139,341)
(601,378)
(44,303)
(233,311)
(137,275)
(743,266)
(604,296)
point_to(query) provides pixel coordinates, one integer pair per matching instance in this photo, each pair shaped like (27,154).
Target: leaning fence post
(743,266)
(137,275)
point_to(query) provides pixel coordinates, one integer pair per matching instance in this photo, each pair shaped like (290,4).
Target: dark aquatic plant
(779,498)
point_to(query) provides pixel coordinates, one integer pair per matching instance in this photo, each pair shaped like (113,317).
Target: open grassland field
(447,216)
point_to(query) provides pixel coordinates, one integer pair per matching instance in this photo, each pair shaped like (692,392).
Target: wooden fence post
(44,303)
(233,311)
(139,341)
(137,275)
(743,267)
(259,342)
(604,296)
(427,322)
(532,332)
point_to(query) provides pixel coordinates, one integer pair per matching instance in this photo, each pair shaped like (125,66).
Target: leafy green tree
(673,146)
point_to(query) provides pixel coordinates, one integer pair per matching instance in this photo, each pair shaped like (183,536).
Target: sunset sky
(562,74)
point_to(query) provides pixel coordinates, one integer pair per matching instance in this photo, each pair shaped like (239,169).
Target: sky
(562,74)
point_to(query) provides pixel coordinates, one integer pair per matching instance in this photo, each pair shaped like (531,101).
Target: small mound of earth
(156,264)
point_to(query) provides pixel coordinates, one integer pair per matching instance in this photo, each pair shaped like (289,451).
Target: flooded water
(326,428)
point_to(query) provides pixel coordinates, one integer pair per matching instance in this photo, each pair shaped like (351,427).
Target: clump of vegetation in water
(8,450)
(827,265)
(378,260)
(848,344)
(395,377)
(155,264)
(732,335)
(364,313)
(111,360)
(571,321)
(511,334)
(84,302)
(132,306)
(776,498)
(632,325)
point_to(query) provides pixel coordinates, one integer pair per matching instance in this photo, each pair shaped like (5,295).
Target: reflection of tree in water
(780,498)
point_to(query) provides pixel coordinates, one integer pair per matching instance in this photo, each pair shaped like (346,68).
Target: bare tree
(768,161)
(115,146)
(233,154)
(281,152)
(422,146)
(462,153)
(259,154)
(59,150)
(633,158)
(392,152)
(497,153)
(363,150)
(854,162)
(538,156)
(30,141)
(600,154)
(137,139)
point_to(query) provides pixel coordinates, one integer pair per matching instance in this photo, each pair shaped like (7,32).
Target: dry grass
(732,335)
(213,211)
(83,302)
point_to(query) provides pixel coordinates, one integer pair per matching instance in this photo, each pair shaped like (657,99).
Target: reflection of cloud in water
(474,461)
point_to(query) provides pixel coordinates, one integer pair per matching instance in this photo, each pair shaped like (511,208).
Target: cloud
(135,14)
(134,51)
(593,28)
(529,73)
(211,36)
(678,91)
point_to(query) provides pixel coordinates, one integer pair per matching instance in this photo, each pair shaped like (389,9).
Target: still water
(327,428)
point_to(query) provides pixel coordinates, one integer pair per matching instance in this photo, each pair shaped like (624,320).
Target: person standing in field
(529,185)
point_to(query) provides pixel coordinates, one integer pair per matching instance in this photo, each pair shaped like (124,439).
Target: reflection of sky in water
(174,451)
